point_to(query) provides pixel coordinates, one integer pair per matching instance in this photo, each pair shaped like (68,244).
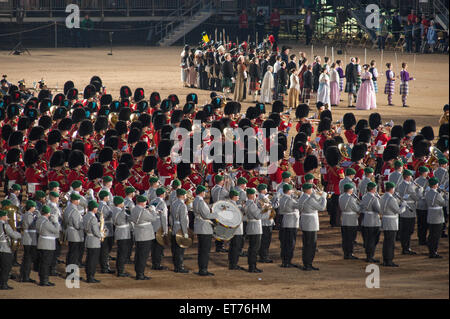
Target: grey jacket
(371,209)
(7,233)
(346,180)
(289,210)
(203,216)
(265,222)
(179,218)
(105,209)
(411,194)
(121,223)
(172,198)
(435,202)
(143,220)
(92,230)
(362,186)
(29,229)
(240,228)
(441,174)
(349,209)
(151,194)
(309,206)
(391,209)
(421,203)
(48,230)
(395,177)
(14,200)
(73,222)
(161,212)
(254,217)
(110,197)
(129,204)
(218,193)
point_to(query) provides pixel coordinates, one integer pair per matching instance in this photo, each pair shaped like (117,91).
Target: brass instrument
(182,241)
(113,118)
(163,240)
(267,206)
(435,154)
(102,226)
(12,212)
(189,198)
(356,197)
(396,195)
(343,150)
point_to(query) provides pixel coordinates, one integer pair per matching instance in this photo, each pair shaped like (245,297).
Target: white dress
(323,93)
(267,86)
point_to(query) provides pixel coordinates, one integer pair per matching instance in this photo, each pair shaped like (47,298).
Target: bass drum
(229,217)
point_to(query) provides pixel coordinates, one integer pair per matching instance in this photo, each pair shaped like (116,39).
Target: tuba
(113,118)
(102,226)
(435,155)
(12,212)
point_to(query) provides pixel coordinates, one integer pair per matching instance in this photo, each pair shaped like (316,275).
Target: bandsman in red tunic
(349,126)
(166,169)
(357,157)
(390,154)
(95,175)
(35,177)
(333,176)
(56,173)
(76,162)
(122,175)
(14,171)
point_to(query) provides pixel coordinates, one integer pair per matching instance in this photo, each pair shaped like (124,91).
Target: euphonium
(12,212)
(113,118)
(102,226)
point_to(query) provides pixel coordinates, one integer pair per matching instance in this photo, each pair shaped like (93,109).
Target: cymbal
(184,242)
(163,240)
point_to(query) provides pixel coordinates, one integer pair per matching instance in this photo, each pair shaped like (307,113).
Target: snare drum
(229,217)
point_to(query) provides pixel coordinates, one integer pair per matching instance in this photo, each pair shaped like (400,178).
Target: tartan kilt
(341,84)
(282,89)
(306,94)
(404,88)
(375,85)
(226,82)
(389,88)
(350,87)
(358,83)
(254,86)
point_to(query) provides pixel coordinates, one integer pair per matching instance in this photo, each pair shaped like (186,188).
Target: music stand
(110,42)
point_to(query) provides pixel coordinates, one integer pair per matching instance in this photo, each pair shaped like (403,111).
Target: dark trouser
(348,237)
(92,258)
(288,237)
(6,260)
(157,253)
(56,254)
(104,252)
(266,238)
(86,38)
(204,246)
(381,42)
(73,255)
(433,237)
(371,238)
(143,249)
(422,226)
(309,239)
(308,32)
(177,254)
(389,245)
(219,244)
(409,42)
(261,33)
(418,42)
(333,210)
(243,34)
(253,247)
(275,31)
(236,244)
(123,246)
(444,228)
(29,256)
(130,249)
(406,226)
(81,253)
(45,261)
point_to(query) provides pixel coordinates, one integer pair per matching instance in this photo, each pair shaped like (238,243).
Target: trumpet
(396,195)
(356,197)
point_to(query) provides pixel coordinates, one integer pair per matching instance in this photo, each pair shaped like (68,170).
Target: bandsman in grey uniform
(40,199)
(267,226)
(289,225)
(122,234)
(151,192)
(93,241)
(129,205)
(143,234)
(203,228)
(7,234)
(13,195)
(348,179)
(435,218)
(350,209)
(396,176)
(55,210)
(105,209)
(161,222)
(362,186)
(285,180)
(75,188)
(29,241)
(441,173)
(237,242)
(411,194)
(48,229)
(371,222)
(389,222)
(241,186)
(179,220)
(254,228)
(218,192)
(309,206)
(173,194)
(107,186)
(421,207)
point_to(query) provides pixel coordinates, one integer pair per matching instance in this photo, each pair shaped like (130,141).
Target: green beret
(389,186)
(3,213)
(200,189)
(153,180)
(368,170)
(242,180)
(423,169)
(218,178)
(176,183)
(45,209)
(285,175)
(103,194)
(398,164)
(39,194)
(6,202)
(92,204)
(262,186)
(16,187)
(129,190)
(348,186)
(350,171)
(76,184)
(443,160)
(307,186)
(107,179)
(160,191)
(433,181)
(141,199)
(309,176)
(53,184)
(251,191)
(74,196)
(54,194)
(29,204)
(233,193)
(287,187)
(407,172)
(371,185)
(117,200)
(181,191)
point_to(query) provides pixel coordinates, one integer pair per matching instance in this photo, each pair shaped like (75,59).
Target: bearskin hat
(13,156)
(54,137)
(159,121)
(421,148)
(140,149)
(105,155)
(124,114)
(358,152)
(78,115)
(121,127)
(229,108)
(12,110)
(58,99)
(72,94)
(6,131)
(329,142)
(76,158)
(192,97)
(324,125)
(95,171)
(409,126)
(122,172)
(127,159)
(397,131)
(60,113)
(101,123)
(138,95)
(86,128)
(362,124)
(16,138)
(302,111)
(394,140)
(44,94)
(155,99)
(252,113)
(428,132)
(333,156)
(189,108)
(243,123)
(67,86)
(142,106)
(282,140)
(125,92)
(218,125)
(208,109)
(136,124)
(41,147)
(36,133)
(30,157)
(299,150)
(145,119)
(149,163)
(261,108)
(300,137)
(183,170)
(390,152)
(201,116)
(89,91)
(277,107)
(65,124)
(176,117)
(174,99)
(164,147)
(58,158)
(276,118)
(311,163)
(216,102)
(134,136)
(349,120)
(23,123)
(338,139)
(374,120)
(442,143)
(45,121)
(78,145)
(364,135)
(166,105)
(326,113)
(443,129)
(186,124)
(419,137)
(306,128)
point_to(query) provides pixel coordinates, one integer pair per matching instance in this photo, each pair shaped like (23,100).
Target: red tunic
(137,176)
(15,173)
(75,175)
(383,139)
(166,169)
(255,181)
(359,172)
(333,177)
(95,186)
(351,136)
(119,189)
(36,179)
(60,177)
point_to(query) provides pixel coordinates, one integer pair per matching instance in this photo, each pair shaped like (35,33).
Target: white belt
(89,234)
(47,237)
(71,227)
(435,207)
(30,230)
(177,222)
(123,226)
(349,213)
(390,216)
(370,213)
(3,241)
(144,224)
(253,220)
(309,214)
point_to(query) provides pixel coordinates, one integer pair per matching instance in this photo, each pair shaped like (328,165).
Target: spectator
(260,19)
(431,36)
(282,81)
(264,64)
(243,26)
(382,34)
(412,16)
(308,24)
(316,73)
(417,34)
(275,23)
(241,75)
(292,65)
(396,26)
(408,36)
(285,54)
(86,27)
(276,68)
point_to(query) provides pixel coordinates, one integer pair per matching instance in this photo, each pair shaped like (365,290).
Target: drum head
(228,213)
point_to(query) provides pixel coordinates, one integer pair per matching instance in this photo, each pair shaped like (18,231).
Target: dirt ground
(157,69)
